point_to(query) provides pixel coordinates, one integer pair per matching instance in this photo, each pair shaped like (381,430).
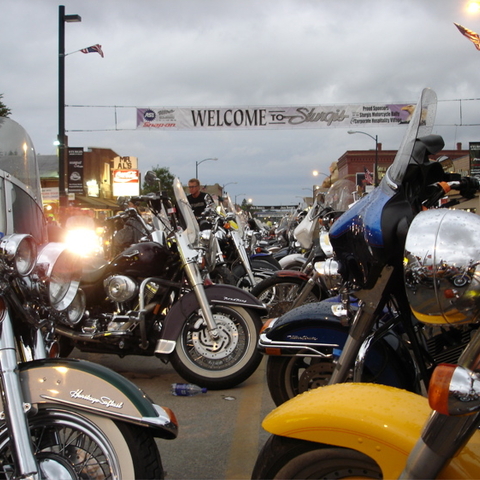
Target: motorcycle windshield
(239,216)
(421,124)
(21,208)
(191,225)
(340,195)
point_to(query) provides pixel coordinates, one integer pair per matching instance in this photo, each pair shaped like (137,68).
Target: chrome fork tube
(196,282)
(14,405)
(243,256)
(444,436)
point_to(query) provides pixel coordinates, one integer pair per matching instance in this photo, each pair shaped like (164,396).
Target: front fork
(361,327)
(196,281)
(14,404)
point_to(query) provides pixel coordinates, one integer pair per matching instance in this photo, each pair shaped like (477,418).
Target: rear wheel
(290,458)
(226,361)
(279,293)
(69,444)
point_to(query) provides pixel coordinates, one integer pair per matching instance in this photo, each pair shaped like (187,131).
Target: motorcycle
(376,431)
(152,299)
(367,332)
(61,418)
(238,244)
(288,289)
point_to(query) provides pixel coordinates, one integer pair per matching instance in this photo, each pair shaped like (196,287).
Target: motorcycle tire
(283,457)
(223,363)
(222,275)
(70,444)
(261,270)
(279,293)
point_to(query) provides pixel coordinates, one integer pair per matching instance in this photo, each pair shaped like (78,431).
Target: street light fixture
(201,161)
(62,138)
(375,168)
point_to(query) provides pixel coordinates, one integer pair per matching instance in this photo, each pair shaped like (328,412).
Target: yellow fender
(382,422)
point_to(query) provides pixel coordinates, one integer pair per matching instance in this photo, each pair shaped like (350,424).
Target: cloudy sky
(220,53)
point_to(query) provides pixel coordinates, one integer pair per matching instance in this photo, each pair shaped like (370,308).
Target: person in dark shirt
(198,200)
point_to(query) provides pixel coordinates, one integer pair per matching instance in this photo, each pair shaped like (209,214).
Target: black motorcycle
(152,299)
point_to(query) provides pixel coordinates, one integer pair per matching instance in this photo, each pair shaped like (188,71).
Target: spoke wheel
(72,445)
(222,362)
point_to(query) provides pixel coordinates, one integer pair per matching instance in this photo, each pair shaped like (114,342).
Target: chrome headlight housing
(442,266)
(120,288)
(59,271)
(328,270)
(76,309)
(18,253)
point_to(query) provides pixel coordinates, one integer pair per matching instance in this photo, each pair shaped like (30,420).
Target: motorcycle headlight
(59,271)
(77,308)
(18,253)
(120,288)
(442,266)
(329,273)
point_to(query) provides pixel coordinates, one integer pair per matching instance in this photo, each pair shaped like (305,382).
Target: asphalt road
(220,432)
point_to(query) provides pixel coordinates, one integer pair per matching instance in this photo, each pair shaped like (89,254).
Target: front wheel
(71,445)
(226,361)
(290,376)
(283,457)
(279,293)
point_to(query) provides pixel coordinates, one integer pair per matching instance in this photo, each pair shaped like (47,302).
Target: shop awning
(96,202)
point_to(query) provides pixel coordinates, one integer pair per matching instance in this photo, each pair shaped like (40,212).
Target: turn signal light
(439,388)
(454,390)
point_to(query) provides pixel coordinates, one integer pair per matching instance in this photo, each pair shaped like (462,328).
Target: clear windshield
(240,217)
(21,209)
(421,124)
(191,225)
(340,195)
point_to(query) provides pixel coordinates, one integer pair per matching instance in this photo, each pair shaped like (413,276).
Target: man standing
(198,200)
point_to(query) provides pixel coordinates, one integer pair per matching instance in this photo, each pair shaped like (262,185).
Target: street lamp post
(375,167)
(238,195)
(223,187)
(201,161)
(62,138)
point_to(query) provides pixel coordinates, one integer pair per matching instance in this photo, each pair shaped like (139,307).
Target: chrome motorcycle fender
(87,386)
(188,304)
(381,422)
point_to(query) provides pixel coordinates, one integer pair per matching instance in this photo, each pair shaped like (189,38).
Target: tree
(4,110)
(166,181)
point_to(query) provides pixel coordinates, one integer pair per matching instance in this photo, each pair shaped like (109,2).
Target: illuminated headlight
(120,288)
(18,253)
(60,271)
(77,308)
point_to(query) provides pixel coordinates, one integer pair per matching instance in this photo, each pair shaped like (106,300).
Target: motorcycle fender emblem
(103,401)
(302,338)
(238,300)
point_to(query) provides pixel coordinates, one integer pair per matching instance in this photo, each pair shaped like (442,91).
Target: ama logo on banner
(149,115)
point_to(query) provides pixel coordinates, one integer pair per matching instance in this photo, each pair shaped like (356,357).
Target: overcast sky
(218,53)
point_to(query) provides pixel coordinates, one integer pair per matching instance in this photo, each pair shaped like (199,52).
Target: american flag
(470,34)
(368,176)
(94,48)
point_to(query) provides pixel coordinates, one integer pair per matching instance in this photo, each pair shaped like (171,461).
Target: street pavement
(220,433)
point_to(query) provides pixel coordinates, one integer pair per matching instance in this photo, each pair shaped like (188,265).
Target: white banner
(249,118)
